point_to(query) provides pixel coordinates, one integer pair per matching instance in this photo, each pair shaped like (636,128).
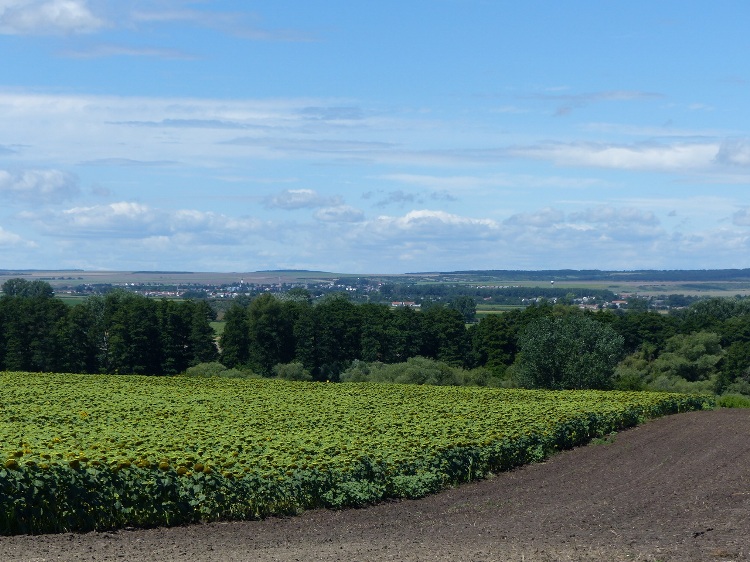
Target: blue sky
(374,137)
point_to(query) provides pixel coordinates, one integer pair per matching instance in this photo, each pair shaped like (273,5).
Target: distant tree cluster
(118,333)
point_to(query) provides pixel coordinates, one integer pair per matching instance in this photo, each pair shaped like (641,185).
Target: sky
(374,137)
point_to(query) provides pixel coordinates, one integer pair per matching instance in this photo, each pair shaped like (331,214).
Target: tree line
(336,339)
(118,333)
(704,347)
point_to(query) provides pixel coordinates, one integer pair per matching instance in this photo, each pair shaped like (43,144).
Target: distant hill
(601,275)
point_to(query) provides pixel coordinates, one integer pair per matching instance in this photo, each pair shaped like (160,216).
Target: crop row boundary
(80,498)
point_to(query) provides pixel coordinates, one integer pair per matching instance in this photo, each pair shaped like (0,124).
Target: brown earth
(676,488)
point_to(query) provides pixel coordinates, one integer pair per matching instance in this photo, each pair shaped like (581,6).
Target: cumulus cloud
(126,219)
(291,199)
(47,17)
(38,186)
(118,216)
(433,224)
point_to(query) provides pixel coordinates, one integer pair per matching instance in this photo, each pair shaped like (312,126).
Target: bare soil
(676,488)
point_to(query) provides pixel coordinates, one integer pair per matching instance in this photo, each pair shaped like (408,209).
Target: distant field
(72,300)
(63,278)
(702,283)
(484,310)
(705,289)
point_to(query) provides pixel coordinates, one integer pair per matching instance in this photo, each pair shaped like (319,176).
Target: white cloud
(676,157)
(38,186)
(432,224)
(8,239)
(195,132)
(69,129)
(45,17)
(126,219)
(121,218)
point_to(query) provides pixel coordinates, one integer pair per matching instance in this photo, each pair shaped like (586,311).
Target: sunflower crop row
(81,452)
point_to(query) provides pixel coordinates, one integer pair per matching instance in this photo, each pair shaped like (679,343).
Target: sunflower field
(94,452)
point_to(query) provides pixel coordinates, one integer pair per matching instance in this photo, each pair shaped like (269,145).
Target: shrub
(733,401)
(292,372)
(215,369)
(212,369)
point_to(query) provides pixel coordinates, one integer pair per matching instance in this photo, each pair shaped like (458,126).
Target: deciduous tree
(568,352)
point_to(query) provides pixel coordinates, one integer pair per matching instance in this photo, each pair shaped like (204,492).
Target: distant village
(396,295)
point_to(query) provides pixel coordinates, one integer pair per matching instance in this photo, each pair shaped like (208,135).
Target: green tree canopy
(567,352)
(466,305)
(24,288)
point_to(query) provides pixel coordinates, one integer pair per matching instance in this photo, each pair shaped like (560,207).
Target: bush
(666,383)
(239,374)
(212,369)
(420,370)
(359,371)
(215,369)
(628,381)
(733,401)
(292,372)
(740,386)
